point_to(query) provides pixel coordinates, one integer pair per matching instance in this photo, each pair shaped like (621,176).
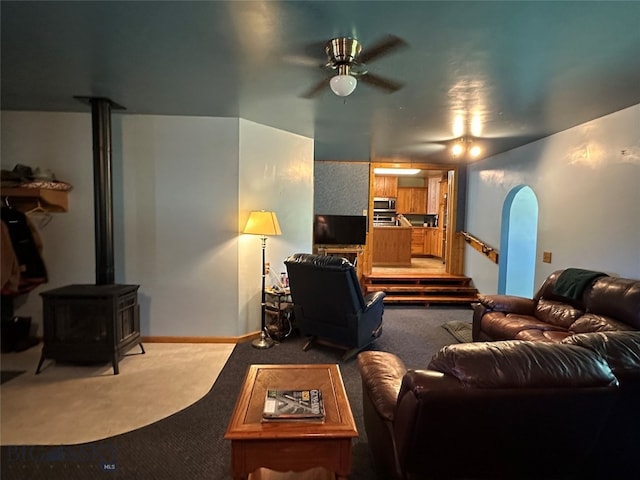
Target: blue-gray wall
(185,187)
(586,181)
(341,188)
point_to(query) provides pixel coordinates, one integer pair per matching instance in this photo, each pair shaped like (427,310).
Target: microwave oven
(384,205)
(384,219)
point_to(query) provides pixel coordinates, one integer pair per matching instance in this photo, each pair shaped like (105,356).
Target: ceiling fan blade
(309,55)
(317,88)
(426,147)
(302,61)
(380,82)
(313,49)
(383,47)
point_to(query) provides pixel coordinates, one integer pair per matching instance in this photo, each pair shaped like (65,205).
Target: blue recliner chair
(329,305)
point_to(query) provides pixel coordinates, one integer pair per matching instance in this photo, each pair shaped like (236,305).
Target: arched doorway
(518,240)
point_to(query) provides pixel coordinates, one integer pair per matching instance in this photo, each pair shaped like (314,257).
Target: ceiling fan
(466,142)
(347,56)
(463,147)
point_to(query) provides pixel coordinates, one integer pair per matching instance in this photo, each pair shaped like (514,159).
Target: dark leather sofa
(569,301)
(507,410)
(617,450)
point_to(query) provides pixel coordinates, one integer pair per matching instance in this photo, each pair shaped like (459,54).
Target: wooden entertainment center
(353,253)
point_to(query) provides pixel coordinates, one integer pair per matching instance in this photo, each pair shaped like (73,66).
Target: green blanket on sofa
(572,282)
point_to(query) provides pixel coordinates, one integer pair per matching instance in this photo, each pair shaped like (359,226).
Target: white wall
(180,210)
(276,174)
(180,196)
(62,143)
(588,193)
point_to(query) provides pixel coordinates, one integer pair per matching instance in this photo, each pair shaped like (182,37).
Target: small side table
(280,320)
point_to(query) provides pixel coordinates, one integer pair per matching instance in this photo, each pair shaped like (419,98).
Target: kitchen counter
(391,246)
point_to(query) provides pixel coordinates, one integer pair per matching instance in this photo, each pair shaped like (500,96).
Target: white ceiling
(526,69)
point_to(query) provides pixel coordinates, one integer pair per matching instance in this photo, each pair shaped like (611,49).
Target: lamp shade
(262,223)
(343,85)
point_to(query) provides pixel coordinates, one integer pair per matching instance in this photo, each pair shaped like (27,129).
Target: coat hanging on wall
(22,266)
(22,270)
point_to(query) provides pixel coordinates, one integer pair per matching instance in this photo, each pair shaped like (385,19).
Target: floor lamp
(263,223)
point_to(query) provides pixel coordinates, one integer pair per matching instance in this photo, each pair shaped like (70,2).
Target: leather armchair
(329,305)
(489,410)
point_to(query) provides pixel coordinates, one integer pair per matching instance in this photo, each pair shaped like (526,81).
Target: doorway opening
(424,201)
(518,241)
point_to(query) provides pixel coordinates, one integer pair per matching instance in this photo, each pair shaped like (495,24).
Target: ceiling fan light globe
(343,85)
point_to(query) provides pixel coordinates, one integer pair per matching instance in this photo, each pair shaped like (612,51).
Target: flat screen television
(339,229)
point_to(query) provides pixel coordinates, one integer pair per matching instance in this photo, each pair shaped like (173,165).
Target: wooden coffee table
(291,446)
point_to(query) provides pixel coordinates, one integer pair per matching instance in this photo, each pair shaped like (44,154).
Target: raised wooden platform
(421,288)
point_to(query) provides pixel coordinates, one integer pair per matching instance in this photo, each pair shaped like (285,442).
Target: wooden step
(398,277)
(393,288)
(465,281)
(412,288)
(429,299)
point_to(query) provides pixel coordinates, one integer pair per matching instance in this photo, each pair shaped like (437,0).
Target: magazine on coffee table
(291,405)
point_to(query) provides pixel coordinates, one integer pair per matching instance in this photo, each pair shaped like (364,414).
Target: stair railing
(481,247)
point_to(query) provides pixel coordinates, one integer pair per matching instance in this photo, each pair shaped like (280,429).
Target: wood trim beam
(235,340)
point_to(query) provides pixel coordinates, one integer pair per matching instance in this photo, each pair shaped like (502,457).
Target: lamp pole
(263,223)
(263,341)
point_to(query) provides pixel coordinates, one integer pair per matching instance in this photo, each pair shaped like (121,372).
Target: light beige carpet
(68,404)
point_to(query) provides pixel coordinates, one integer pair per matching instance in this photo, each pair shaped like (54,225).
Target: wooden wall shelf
(25,199)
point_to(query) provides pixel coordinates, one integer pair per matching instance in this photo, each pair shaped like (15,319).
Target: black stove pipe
(102,187)
(102,190)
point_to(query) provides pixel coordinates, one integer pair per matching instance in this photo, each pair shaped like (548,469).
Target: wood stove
(94,323)
(90,323)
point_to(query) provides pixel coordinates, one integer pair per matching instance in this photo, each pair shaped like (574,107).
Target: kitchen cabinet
(433,242)
(426,241)
(392,246)
(385,186)
(403,203)
(417,240)
(412,200)
(433,200)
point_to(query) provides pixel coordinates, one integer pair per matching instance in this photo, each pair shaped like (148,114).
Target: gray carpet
(190,443)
